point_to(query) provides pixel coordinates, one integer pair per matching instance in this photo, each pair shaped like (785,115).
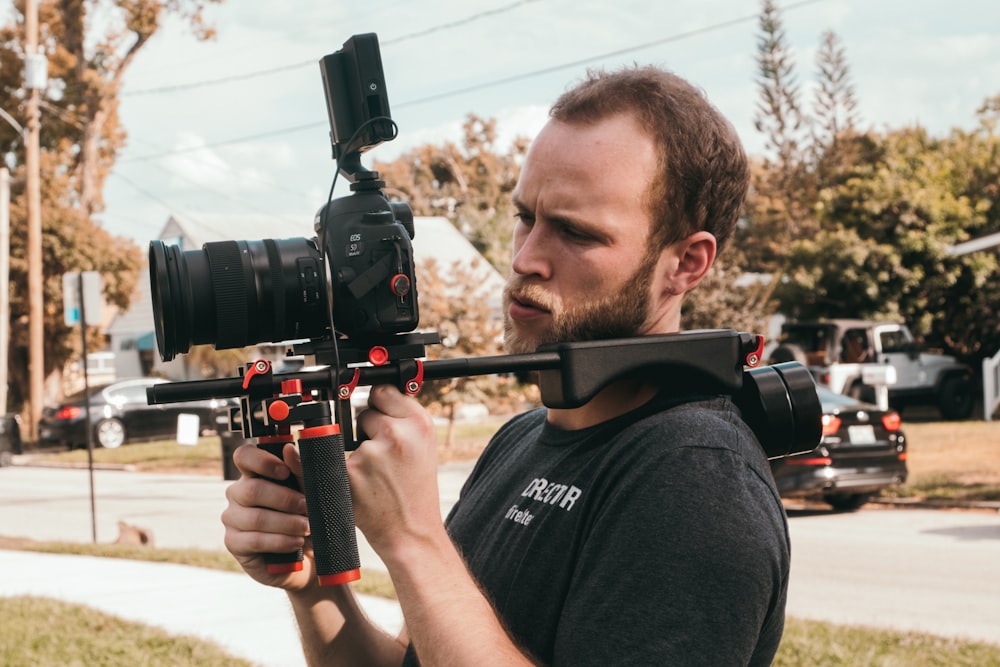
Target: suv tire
(846,502)
(955,398)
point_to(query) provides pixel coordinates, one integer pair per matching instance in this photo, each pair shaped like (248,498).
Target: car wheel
(110,433)
(955,400)
(846,502)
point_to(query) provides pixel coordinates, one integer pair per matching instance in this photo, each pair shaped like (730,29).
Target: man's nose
(532,254)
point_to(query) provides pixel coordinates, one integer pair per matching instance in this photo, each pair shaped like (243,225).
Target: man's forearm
(449,620)
(336,631)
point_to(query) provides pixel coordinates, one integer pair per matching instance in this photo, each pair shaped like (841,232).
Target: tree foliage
(89,45)
(468,184)
(867,226)
(470,322)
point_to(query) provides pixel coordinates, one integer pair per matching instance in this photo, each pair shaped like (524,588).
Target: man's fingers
(255,462)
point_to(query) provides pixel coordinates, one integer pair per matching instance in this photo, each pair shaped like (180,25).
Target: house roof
(975,245)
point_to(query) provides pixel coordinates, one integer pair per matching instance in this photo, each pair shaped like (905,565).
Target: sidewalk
(243,617)
(230,609)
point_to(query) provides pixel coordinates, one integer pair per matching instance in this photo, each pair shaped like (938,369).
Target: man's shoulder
(701,419)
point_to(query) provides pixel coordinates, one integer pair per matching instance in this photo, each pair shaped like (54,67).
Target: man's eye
(575,234)
(524,218)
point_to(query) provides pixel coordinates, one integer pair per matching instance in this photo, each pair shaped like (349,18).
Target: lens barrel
(237,293)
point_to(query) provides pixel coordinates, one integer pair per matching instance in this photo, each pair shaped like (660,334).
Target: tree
(70,242)
(470,185)
(80,139)
(730,298)
(781,183)
(471,325)
(886,231)
(779,113)
(835,105)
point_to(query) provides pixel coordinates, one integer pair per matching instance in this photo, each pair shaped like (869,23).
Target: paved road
(935,571)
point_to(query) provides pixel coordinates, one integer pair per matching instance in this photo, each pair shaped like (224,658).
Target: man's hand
(393,474)
(266,517)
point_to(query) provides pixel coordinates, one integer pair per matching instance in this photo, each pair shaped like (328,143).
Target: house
(131,333)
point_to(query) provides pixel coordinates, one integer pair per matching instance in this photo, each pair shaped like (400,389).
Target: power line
(311,63)
(498,82)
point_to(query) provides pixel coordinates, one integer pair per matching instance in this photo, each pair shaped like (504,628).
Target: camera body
(356,279)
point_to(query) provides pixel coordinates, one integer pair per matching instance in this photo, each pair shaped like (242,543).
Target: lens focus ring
(229,282)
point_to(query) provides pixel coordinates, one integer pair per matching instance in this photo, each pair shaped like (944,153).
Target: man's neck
(613,401)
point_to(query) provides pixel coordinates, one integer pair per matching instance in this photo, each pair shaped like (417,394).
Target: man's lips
(523,310)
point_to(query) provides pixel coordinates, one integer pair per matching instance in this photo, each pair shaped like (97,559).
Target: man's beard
(618,314)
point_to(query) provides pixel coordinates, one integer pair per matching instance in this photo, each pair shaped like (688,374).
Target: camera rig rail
(778,402)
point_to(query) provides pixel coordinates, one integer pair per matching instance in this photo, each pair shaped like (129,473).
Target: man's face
(582,268)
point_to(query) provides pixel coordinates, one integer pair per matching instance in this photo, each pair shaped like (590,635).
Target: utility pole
(36,323)
(4,283)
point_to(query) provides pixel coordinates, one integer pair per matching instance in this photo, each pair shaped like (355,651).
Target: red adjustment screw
(278,411)
(378,355)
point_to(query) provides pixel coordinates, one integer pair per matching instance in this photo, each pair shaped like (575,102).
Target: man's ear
(688,261)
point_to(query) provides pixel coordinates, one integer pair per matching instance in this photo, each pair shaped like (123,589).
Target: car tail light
(815,461)
(891,421)
(69,412)
(831,424)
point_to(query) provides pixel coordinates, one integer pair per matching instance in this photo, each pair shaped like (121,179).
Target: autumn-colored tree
(89,45)
(470,322)
(730,298)
(468,184)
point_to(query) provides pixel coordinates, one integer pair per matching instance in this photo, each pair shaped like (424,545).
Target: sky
(238,125)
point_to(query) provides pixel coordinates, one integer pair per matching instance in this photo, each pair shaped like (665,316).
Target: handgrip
(290,562)
(328,498)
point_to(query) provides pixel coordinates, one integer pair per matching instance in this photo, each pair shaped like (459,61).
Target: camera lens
(236,293)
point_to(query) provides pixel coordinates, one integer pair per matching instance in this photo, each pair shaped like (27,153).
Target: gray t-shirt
(656,538)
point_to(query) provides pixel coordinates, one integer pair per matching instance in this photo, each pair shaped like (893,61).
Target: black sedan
(863,450)
(119,414)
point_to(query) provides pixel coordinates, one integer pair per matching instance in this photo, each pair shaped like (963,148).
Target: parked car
(119,414)
(862,451)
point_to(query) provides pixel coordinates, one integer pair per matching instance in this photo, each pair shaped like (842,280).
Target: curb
(937,504)
(27,461)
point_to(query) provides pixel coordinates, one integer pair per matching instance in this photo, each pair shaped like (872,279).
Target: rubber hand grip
(328,498)
(290,562)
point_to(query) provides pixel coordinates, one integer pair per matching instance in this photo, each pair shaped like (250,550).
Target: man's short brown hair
(703,171)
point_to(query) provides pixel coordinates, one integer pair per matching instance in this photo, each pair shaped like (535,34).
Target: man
(634,530)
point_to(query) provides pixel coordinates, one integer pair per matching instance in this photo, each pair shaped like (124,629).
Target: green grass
(945,487)
(150,456)
(86,637)
(39,631)
(817,643)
